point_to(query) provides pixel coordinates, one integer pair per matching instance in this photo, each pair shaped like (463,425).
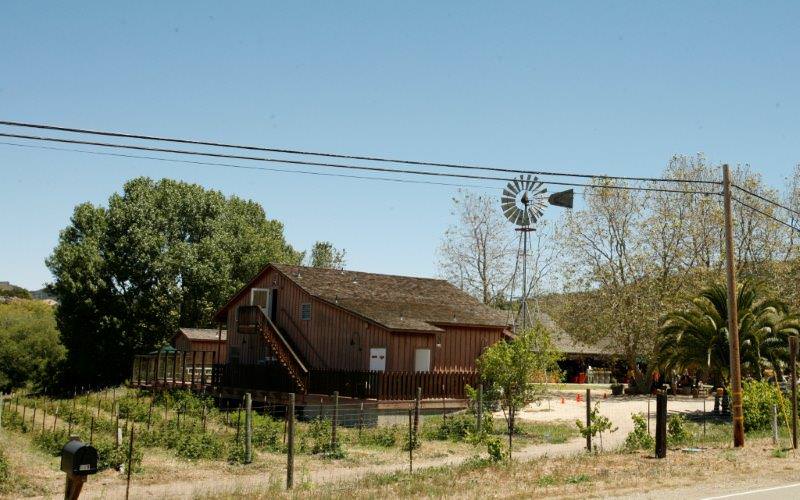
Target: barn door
(377,359)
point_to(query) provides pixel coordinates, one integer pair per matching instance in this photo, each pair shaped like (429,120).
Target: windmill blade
(509,191)
(518,217)
(518,185)
(508,209)
(511,214)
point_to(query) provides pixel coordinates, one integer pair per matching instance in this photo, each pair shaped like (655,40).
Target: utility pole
(733,315)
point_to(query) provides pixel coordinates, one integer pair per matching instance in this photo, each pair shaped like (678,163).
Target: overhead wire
(765,214)
(342,156)
(764,198)
(340,165)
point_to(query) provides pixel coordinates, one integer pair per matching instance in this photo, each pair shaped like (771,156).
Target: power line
(247,167)
(765,214)
(338,165)
(764,198)
(343,156)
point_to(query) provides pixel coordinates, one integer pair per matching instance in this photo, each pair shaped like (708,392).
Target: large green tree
(30,351)
(163,254)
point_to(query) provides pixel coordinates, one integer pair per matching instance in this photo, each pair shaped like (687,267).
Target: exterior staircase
(253,319)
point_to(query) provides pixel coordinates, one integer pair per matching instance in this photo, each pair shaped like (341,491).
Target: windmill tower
(523,203)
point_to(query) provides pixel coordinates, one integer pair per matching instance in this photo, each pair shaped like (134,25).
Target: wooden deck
(198,372)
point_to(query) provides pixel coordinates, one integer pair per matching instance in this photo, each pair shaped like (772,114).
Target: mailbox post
(78,460)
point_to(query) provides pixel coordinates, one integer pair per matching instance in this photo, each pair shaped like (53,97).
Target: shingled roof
(569,345)
(395,302)
(203,333)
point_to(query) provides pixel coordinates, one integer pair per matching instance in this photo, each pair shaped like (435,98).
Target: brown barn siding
(332,329)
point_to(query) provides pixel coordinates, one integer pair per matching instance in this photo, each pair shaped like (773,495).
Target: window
(305,312)
(234,355)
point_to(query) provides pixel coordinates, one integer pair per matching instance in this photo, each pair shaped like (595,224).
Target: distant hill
(7,289)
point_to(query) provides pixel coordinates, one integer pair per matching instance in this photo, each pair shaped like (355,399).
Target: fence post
(411,439)
(774,424)
(661,425)
(335,419)
(648,415)
(479,410)
(91,432)
(238,423)
(2,403)
(793,365)
(360,420)
(130,465)
(290,444)
(588,419)
(416,410)
(248,428)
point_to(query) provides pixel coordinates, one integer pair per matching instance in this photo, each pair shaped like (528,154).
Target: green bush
(757,400)
(494,448)
(385,437)
(5,473)
(638,438)
(319,436)
(676,429)
(111,456)
(196,445)
(453,427)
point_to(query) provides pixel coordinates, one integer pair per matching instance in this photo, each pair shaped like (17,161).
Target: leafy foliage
(324,254)
(29,346)
(697,337)
(638,438)
(5,472)
(512,368)
(598,424)
(676,429)
(163,254)
(758,397)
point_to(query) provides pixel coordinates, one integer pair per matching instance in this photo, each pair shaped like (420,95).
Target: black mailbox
(78,458)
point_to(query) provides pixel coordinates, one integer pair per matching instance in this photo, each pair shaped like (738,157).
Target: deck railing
(157,371)
(189,369)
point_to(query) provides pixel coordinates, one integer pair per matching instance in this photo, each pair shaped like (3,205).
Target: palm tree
(696,338)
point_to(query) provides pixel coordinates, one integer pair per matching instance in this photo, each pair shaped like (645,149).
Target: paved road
(781,491)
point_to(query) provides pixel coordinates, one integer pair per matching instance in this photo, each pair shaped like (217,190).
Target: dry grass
(584,475)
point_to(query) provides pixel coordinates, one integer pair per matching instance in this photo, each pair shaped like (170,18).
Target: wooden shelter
(202,340)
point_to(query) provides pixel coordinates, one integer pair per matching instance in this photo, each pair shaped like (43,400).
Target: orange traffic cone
(605,395)
(562,400)
(578,398)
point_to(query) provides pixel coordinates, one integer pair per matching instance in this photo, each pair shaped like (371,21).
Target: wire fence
(125,424)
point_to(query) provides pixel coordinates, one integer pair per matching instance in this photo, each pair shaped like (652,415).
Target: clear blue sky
(597,87)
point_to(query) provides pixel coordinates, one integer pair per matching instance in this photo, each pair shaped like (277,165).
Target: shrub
(319,435)
(757,400)
(454,427)
(638,438)
(676,429)
(5,473)
(494,448)
(385,437)
(109,456)
(196,445)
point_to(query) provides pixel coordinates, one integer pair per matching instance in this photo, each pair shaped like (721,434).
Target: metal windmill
(523,203)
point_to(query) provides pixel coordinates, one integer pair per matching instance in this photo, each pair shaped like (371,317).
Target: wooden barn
(369,336)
